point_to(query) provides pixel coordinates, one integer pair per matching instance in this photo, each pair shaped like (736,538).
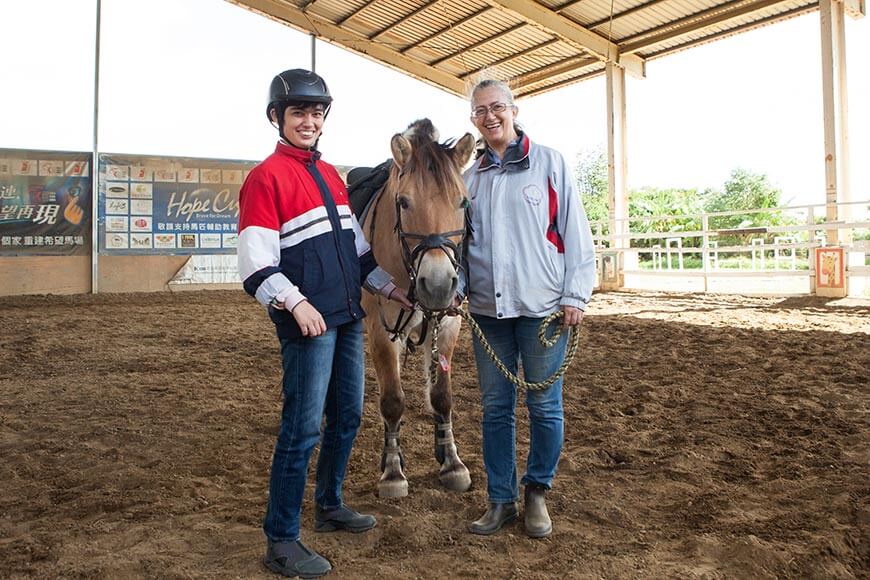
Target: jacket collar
(516,157)
(303,155)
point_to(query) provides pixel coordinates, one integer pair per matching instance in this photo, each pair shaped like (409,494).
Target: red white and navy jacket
(299,240)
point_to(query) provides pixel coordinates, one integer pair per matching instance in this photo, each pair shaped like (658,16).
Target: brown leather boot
(538,524)
(497,515)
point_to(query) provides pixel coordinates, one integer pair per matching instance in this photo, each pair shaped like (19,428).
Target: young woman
(303,255)
(531,254)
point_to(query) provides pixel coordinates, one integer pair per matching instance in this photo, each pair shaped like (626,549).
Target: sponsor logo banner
(169,205)
(45,203)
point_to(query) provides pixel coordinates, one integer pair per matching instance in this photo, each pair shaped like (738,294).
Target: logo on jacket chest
(533,195)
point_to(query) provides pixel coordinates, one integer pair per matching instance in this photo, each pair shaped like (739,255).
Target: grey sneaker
(294,559)
(342,518)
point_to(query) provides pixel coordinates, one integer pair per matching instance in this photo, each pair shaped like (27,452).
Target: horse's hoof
(393,489)
(456,480)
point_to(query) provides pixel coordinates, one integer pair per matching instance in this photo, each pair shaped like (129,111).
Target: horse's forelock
(421,132)
(433,162)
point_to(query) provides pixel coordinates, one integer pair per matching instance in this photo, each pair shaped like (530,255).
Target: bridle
(412,258)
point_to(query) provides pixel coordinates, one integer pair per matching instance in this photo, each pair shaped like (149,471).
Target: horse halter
(439,241)
(412,259)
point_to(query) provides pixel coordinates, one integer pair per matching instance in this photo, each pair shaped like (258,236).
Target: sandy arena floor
(707,437)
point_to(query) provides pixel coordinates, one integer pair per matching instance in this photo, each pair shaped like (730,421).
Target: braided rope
(434,361)
(573,344)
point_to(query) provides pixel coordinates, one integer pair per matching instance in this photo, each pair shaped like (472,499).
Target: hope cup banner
(45,203)
(169,205)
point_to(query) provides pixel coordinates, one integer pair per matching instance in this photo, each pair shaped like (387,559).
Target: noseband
(439,241)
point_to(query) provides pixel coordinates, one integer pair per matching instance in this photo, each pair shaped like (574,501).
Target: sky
(190,78)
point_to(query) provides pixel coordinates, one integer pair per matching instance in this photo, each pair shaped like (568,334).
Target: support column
(95,161)
(617,173)
(832,19)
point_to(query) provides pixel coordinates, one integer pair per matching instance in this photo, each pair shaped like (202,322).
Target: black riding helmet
(296,86)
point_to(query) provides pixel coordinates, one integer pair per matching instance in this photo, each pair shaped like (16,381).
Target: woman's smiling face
(497,128)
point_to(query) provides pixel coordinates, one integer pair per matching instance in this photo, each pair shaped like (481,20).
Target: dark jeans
(323,376)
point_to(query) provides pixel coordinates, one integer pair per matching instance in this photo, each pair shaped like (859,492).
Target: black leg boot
(497,515)
(538,524)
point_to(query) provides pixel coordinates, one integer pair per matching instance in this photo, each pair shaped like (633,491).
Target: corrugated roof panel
(590,11)
(669,35)
(456,36)
(465,36)
(334,10)
(423,20)
(732,26)
(378,15)
(553,83)
(534,57)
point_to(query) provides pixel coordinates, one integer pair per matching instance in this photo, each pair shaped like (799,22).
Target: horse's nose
(438,292)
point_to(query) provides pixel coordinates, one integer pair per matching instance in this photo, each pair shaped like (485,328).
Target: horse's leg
(453,475)
(385,355)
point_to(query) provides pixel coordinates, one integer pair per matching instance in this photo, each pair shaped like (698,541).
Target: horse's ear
(464,148)
(401,148)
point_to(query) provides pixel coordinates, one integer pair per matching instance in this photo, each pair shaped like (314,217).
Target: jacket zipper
(335,220)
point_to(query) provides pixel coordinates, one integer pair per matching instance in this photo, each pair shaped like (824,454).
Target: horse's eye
(403,202)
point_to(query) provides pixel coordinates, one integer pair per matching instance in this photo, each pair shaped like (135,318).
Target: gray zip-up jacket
(531,248)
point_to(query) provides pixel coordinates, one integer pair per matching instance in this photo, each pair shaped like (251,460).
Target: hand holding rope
(573,344)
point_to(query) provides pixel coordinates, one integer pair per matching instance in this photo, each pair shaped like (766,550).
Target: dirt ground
(706,437)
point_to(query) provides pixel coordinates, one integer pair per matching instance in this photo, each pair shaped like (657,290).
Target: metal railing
(779,246)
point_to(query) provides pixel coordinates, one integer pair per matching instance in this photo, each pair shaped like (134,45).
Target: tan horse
(415,227)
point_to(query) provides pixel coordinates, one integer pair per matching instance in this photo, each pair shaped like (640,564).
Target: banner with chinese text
(169,205)
(45,203)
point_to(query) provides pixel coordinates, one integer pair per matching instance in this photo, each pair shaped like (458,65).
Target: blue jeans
(516,339)
(324,375)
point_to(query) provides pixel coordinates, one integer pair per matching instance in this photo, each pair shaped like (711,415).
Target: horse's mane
(431,157)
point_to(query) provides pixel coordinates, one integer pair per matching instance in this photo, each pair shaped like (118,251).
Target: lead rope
(435,361)
(573,344)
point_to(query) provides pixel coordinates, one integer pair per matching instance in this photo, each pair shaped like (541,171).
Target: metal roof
(538,46)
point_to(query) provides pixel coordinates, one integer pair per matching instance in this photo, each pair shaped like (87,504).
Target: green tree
(590,175)
(652,202)
(744,190)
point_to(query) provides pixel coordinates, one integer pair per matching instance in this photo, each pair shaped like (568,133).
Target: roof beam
(537,15)
(552,70)
(513,56)
(306,22)
(552,87)
(477,44)
(693,23)
(855,8)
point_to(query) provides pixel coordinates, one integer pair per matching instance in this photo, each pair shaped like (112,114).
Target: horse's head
(431,200)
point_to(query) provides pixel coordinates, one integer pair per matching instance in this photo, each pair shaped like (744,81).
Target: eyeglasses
(494,108)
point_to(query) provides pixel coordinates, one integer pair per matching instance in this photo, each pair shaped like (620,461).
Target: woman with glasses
(530,254)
